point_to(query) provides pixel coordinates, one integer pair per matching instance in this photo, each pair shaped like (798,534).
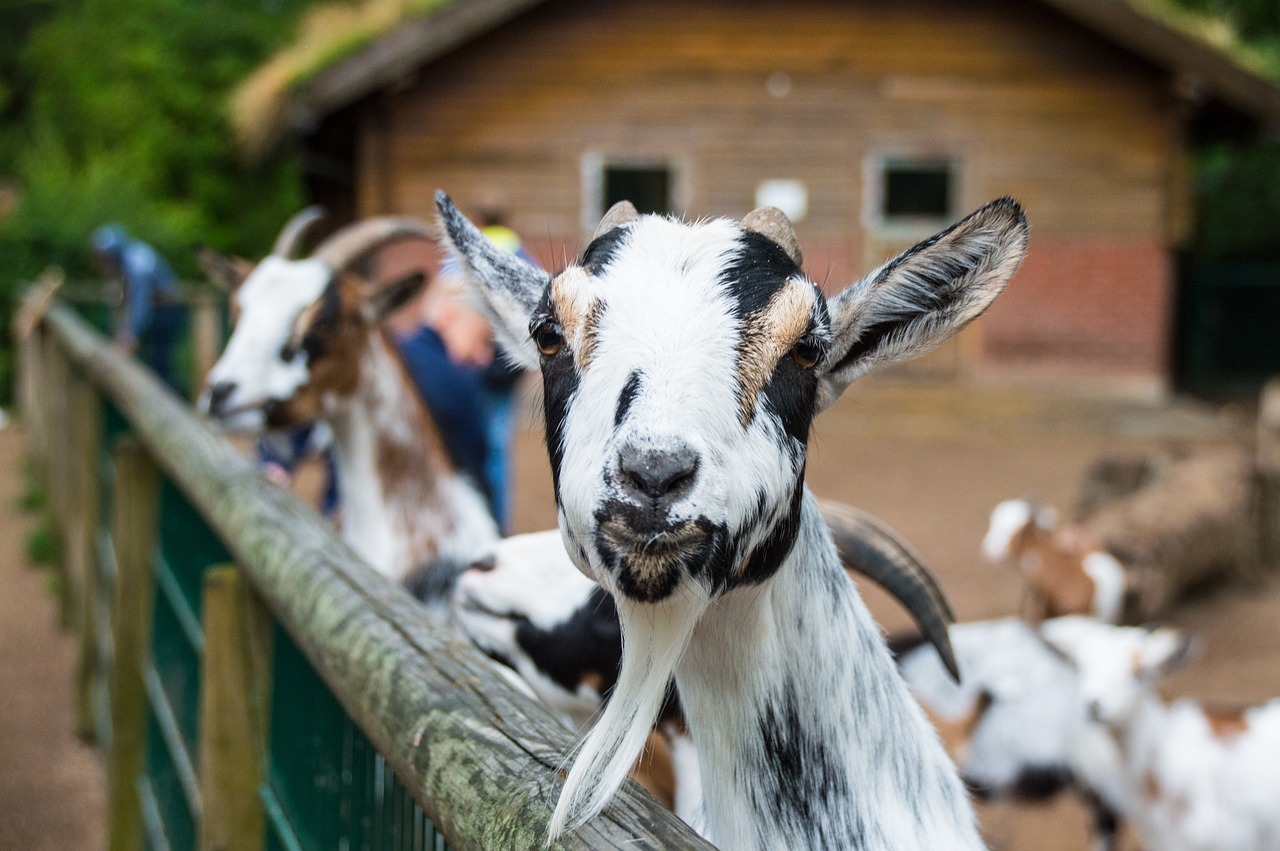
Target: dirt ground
(932,463)
(52,788)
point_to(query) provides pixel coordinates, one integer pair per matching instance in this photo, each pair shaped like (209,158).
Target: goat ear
(386,298)
(225,272)
(508,288)
(923,296)
(1163,651)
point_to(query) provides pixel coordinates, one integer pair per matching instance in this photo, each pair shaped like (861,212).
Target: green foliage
(117,112)
(42,545)
(1238,197)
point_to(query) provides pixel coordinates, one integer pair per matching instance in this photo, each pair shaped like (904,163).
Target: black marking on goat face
(807,779)
(560,382)
(318,335)
(767,556)
(603,250)
(647,555)
(588,645)
(760,273)
(628,395)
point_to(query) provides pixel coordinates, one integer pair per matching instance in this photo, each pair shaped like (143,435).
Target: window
(654,183)
(648,187)
(913,192)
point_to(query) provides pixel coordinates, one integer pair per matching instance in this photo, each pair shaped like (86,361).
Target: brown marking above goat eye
(578,311)
(768,335)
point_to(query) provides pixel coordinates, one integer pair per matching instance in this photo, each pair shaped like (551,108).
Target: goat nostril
(659,473)
(219,393)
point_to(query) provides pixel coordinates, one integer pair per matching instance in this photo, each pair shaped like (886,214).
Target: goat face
(682,367)
(1117,665)
(294,353)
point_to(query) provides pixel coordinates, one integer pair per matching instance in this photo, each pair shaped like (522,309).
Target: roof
(344,53)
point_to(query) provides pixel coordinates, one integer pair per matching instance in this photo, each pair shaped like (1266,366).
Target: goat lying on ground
(1196,779)
(1066,571)
(682,367)
(1015,724)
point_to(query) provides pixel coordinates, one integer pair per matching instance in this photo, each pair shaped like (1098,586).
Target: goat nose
(660,474)
(219,393)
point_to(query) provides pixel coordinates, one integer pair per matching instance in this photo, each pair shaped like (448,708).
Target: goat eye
(288,351)
(549,338)
(807,352)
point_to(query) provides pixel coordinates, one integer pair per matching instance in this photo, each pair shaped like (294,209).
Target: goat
(1015,725)
(1196,779)
(308,345)
(682,366)
(1066,571)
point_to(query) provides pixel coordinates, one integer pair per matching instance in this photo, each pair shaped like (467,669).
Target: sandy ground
(52,788)
(932,463)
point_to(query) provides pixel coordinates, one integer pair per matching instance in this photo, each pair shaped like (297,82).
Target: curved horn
(619,214)
(357,240)
(868,547)
(295,230)
(772,223)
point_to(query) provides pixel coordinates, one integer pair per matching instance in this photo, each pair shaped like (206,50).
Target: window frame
(876,169)
(595,163)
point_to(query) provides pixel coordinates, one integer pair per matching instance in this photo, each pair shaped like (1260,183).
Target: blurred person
(469,339)
(152,318)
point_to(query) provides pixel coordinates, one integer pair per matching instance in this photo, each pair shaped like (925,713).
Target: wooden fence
(253,684)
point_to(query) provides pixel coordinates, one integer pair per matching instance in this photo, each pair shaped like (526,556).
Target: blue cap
(109,239)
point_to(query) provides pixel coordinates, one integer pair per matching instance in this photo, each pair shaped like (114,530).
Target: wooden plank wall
(1030,104)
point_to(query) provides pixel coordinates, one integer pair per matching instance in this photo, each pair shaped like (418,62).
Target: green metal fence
(251,682)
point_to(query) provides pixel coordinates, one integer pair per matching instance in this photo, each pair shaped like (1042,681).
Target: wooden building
(874,122)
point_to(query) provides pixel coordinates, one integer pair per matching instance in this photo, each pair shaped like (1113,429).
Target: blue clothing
(152,315)
(455,396)
(290,448)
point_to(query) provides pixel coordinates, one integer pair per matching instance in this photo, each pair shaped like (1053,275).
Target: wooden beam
(133,530)
(234,712)
(80,553)
(483,760)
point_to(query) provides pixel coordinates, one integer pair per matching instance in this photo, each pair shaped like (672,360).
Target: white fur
(1007,520)
(1037,718)
(1109,582)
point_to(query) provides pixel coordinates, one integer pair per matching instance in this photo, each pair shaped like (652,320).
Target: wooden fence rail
(294,700)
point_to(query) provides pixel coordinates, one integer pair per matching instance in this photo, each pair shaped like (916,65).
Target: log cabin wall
(1018,99)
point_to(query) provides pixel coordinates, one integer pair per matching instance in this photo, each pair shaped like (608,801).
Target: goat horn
(295,230)
(619,214)
(773,224)
(868,547)
(358,240)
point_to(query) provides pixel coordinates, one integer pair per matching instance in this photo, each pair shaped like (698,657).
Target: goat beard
(654,638)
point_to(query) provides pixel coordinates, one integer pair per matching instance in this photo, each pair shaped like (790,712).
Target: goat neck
(802,747)
(404,506)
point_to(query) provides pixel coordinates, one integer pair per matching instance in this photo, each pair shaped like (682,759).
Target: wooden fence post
(234,712)
(58,472)
(137,495)
(80,551)
(206,338)
(1268,460)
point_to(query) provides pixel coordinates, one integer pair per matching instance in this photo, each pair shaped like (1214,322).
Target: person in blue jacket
(152,319)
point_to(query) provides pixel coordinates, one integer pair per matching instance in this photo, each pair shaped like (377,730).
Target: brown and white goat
(1196,779)
(308,345)
(1066,571)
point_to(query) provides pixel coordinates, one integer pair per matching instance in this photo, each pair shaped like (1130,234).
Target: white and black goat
(1016,724)
(308,345)
(682,367)
(1067,572)
(1196,779)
